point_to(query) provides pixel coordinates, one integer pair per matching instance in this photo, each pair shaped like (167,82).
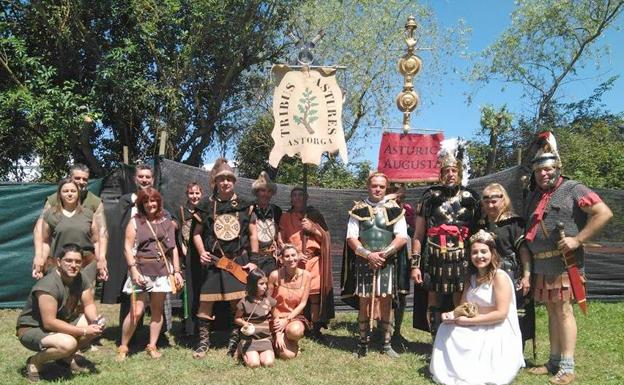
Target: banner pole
(305,177)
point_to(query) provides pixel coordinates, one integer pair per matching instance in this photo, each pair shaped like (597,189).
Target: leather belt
(548,254)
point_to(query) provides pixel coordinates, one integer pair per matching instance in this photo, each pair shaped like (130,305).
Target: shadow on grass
(55,371)
(349,343)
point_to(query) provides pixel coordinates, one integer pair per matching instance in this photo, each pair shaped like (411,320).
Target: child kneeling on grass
(253,313)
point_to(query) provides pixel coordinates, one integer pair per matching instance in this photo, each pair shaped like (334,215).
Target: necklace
(287,282)
(264,213)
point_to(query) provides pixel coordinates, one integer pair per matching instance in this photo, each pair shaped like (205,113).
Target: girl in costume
(484,347)
(290,286)
(253,313)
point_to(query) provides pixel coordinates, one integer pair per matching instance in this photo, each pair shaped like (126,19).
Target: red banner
(410,157)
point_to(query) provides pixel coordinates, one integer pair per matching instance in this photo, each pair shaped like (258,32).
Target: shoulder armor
(361,211)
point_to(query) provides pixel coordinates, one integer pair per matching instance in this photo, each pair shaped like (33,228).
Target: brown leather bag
(173,283)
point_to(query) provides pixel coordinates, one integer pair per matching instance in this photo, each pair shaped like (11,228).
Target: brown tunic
(259,314)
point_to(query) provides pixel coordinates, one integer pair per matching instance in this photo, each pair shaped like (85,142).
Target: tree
(494,124)
(143,66)
(545,46)
(367,37)
(592,151)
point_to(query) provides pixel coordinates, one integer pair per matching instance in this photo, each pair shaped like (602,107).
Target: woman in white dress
(486,348)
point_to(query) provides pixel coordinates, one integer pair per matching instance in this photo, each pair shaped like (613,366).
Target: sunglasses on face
(492,198)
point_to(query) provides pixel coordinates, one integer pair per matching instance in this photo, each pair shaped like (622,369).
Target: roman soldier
(447,216)
(376,239)
(561,215)
(267,222)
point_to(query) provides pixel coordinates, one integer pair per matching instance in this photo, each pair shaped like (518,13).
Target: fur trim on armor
(263,181)
(363,211)
(220,168)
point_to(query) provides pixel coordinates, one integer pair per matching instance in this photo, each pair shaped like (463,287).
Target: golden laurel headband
(482,236)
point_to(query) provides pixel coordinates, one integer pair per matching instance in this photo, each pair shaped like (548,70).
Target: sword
(575,276)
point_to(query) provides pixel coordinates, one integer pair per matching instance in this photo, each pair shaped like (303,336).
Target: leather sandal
(540,370)
(122,353)
(152,351)
(32,371)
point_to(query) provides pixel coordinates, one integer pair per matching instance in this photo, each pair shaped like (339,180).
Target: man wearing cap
(305,227)
(555,199)
(447,216)
(267,223)
(225,227)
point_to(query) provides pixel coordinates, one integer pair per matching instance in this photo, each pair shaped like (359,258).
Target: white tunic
(479,354)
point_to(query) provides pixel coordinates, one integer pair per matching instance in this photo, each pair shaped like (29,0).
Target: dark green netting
(20,206)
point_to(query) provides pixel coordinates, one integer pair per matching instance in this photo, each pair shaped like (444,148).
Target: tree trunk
(489,168)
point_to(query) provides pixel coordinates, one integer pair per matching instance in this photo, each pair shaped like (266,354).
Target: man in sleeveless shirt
(556,199)
(51,323)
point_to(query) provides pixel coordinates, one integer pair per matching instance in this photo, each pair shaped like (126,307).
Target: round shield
(266,230)
(226,227)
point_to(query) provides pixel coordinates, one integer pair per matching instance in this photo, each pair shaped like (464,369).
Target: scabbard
(233,268)
(578,289)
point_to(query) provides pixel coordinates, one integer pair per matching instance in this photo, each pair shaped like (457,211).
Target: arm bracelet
(526,267)
(361,251)
(416,260)
(389,250)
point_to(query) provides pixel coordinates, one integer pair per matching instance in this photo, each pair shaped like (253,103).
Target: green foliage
(592,151)
(139,67)
(546,44)
(37,115)
(545,47)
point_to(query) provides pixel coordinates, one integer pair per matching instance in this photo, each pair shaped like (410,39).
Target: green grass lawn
(599,358)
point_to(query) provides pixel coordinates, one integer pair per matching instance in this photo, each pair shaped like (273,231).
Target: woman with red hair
(149,249)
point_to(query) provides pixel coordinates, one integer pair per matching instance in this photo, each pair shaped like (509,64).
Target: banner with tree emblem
(307,108)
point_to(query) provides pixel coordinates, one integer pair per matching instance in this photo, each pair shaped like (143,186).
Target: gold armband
(361,251)
(416,257)
(389,250)
(526,267)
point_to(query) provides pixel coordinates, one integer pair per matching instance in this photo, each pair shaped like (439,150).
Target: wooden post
(126,156)
(519,156)
(163,142)
(305,177)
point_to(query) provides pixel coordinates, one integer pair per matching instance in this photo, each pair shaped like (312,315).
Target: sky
(447,109)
